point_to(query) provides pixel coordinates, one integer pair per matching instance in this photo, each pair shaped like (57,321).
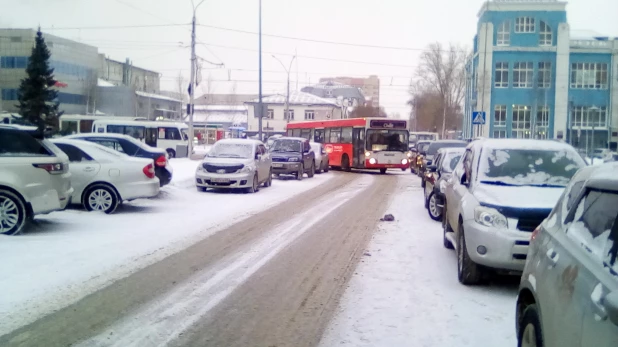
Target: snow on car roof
(110,135)
(523,144)
(240,141)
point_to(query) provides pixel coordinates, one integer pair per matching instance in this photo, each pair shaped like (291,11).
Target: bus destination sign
(387,123)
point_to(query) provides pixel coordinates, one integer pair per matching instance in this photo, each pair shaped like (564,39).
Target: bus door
(150,137)
(358,146)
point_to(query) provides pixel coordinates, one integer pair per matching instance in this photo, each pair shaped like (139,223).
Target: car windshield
(422,147)
(387,140)
(285,145)
(450,161)
(529,167)
(422,137)
(435,146)
(231,150)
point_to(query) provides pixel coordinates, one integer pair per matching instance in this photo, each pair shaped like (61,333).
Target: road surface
(273,279)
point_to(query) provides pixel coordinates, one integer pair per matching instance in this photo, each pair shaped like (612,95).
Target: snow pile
(407,293)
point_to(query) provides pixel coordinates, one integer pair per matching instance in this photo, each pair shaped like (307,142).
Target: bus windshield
(387,140)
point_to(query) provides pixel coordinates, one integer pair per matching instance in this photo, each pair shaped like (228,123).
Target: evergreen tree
(37,100)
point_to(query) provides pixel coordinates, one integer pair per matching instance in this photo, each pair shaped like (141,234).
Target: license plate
(220,180)
(277,165)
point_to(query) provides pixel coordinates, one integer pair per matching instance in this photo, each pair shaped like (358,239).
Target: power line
(106,27)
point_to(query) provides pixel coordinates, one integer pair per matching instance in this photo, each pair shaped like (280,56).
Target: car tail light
(161,161)
(535,233)
(149,171)
(53,169)
(429,176)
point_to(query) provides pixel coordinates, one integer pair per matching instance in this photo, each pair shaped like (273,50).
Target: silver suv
(500,191)
(34,179)
(235,164)
(568,294)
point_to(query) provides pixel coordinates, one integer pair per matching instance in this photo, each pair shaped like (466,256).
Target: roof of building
(296,98)
(334,89)
(228,108)
(156,96)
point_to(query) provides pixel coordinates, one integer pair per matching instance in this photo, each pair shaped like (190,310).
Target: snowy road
(277,276)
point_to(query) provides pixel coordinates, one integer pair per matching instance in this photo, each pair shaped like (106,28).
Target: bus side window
(305,133)
(335,135)
(116,129)
(172,134)
(346,135)
(327,135)
(295,132)
(318,136)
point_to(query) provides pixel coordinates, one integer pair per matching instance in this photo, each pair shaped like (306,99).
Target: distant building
(224,99)
(370,86)
(223,116)
(344,95)
(125,74)
(535,78)
(302,106)
(75,68)
(125,101)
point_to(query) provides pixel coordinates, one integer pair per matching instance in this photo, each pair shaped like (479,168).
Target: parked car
(130,146)
(610,157)
(293,156)
(34,178)
(432,150)
(103,178)
(321,157)
(235,164)
(568,295)
(436,177)
(416,159)
(500,191)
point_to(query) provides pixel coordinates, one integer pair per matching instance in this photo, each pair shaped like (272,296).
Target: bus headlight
(372,161)
(367,154)
(404,161)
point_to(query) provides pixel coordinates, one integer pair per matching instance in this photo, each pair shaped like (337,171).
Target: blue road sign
(478,118)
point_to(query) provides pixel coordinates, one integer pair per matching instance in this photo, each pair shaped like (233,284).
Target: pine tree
(37,100)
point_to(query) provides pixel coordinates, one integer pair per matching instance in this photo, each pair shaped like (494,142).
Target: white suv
(34,179)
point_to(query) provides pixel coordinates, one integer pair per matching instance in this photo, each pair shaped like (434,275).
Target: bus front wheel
(345,163)
(383,171)
(171,153)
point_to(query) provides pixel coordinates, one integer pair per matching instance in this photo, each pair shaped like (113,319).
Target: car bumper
(505,249)
(213,180)
(285,168)
(140,190)
(164,176)
(368,165)
(50,201)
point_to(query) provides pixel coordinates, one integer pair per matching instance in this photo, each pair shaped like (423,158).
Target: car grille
(529,223)
(222,169)
(279,159)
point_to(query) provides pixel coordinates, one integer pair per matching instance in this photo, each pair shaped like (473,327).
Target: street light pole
(287,96)
(192,80)
(260,106)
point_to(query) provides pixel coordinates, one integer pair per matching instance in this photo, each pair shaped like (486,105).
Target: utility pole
(192,80)
(287,96)
(260,106)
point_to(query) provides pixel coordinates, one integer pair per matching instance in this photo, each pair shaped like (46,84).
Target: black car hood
(285,155)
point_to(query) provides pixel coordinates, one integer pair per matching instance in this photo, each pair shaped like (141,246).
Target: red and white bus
(359,143)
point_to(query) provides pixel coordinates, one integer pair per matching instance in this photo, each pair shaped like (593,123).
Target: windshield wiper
(500,183)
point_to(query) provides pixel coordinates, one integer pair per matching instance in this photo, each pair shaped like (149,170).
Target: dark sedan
(292,156)
(132,147)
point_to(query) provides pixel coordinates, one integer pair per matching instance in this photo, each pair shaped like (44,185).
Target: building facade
(126,74)
(302,107)
(75,68)
(370,86)
(535,78)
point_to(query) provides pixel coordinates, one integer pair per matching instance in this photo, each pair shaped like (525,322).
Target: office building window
(499,134)
(270,114)
(525,25)
(74,99)
(288,115)
(504,34)
(542,122)
(521,122)
(589,116)
(502,75)
(13,62)
(544,80)
(309,115)
(589,75)
(500,116)
(545,34)
(523,75)
(9,94)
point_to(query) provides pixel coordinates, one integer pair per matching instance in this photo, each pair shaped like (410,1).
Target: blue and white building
(535,78)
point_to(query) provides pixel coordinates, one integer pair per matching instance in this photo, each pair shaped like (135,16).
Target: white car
(237,164)
(34,178)
(103,178)
(321,157)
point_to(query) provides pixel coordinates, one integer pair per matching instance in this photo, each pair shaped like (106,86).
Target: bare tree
(367,111)
(442,71)
(208,89)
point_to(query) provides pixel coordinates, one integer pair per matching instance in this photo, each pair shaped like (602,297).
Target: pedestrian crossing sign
(478,117)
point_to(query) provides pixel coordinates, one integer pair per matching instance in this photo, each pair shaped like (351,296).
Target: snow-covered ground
(70,254)
(406,293)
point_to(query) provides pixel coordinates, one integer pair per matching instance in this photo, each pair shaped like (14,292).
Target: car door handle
(553,257)
(89,169)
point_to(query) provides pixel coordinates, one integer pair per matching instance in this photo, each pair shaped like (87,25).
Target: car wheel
(269,180)
(425,197)
(530,333)
(255,185)
(432,207)
(468,272)
(101,198)
(446,228)
(326,167)
(300,173)
(311,172)
(383,171)
(171,153)
(13,213)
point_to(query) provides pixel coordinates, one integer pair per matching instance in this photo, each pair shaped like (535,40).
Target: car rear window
(19,144)
(434,147)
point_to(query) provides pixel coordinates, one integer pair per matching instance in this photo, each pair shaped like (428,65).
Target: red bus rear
(359,143)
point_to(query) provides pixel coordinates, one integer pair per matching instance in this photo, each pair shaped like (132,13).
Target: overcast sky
(411,24)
